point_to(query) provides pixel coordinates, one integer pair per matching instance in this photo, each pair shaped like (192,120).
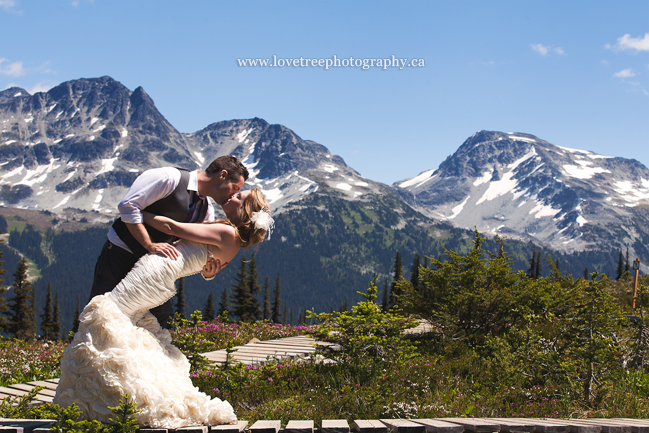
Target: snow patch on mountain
(507,183)
(418,180)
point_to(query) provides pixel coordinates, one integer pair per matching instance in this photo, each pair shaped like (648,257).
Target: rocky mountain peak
(521,186)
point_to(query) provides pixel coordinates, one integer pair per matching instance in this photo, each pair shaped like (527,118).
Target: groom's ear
(223,175)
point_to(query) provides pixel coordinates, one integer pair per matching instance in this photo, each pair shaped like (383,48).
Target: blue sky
(575,73)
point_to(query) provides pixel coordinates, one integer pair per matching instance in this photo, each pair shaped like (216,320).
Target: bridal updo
(254,219)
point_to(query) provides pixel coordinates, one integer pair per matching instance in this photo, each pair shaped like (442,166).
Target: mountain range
(72,152)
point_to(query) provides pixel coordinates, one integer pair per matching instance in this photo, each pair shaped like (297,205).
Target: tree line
(243,304)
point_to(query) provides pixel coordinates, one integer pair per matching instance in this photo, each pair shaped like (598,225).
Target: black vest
(174,206)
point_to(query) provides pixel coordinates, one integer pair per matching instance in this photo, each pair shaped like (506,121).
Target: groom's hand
(166,250)
(142,236)
(212,267)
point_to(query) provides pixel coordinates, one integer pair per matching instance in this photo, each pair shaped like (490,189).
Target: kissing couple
(122,345)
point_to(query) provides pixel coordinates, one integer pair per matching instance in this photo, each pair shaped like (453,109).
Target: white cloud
(625,73)
(626,42)
(540,49)
(7,4)
(40,87)
(545,50)
(14,69)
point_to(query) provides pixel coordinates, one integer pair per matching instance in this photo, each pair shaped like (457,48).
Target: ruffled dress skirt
(121,349)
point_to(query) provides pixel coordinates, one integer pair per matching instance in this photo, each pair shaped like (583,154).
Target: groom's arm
(149,187)
(142,236)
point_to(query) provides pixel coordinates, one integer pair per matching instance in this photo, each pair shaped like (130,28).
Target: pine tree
(586,274)
(385,304)
(223,305)
(414,272)
(277,302)
(537,270)
(344,306)
(21,320)
(398,271)
(254,309)
(627,265)
(180,298)
(267,311)
(620,267)
(242,299)
(3,290)
(56,319)
(208,310)
(47,316)
(75,320)
(531,271)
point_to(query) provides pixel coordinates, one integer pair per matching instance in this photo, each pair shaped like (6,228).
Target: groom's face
(223,188)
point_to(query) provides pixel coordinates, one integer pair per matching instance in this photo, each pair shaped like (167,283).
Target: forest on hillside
(324,251)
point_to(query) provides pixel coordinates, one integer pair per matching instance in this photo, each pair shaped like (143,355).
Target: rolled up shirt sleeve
(149,187)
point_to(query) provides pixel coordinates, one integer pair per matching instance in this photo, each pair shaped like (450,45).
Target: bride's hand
(212,267)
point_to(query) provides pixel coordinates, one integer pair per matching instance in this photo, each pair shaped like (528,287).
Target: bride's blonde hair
(247,234)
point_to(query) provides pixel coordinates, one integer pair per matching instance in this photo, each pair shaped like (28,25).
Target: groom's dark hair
(229,163)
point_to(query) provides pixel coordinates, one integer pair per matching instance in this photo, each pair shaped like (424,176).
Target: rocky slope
(81,144)
(523,187)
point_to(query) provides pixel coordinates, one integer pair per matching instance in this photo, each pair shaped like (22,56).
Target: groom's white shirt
(149,187)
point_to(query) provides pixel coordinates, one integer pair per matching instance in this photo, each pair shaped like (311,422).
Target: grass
(451,382)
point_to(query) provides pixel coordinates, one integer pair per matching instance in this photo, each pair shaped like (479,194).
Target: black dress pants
(112,266)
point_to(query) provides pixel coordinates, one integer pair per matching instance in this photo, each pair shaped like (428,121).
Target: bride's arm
(220,235)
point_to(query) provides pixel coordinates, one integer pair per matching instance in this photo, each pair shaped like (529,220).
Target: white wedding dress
(121,349)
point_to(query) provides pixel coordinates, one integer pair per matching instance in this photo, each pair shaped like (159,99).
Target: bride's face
(231,207)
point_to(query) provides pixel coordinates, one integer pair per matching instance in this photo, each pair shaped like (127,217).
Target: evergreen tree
(277,302)
(242,299)
(385,303)
(398,272)
(47,316)
(32,311)
(344,306)
(620,267)
(75,320)
(627,266)
(267,310)
(254,309)
(414,272)
(223,305)
(180,298)
(3,305)
(531,271)
(22,322)
(586,274)
(208,309)
(56,319)
(537,270)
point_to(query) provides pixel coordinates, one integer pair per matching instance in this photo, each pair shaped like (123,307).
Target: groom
(178,194)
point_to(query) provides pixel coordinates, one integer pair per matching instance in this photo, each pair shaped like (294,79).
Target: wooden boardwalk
(268,350)
(431,425)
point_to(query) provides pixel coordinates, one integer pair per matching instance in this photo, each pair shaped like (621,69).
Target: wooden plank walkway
(269,350)
(434,425)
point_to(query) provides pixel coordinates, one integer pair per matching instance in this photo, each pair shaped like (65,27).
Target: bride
(121,349)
